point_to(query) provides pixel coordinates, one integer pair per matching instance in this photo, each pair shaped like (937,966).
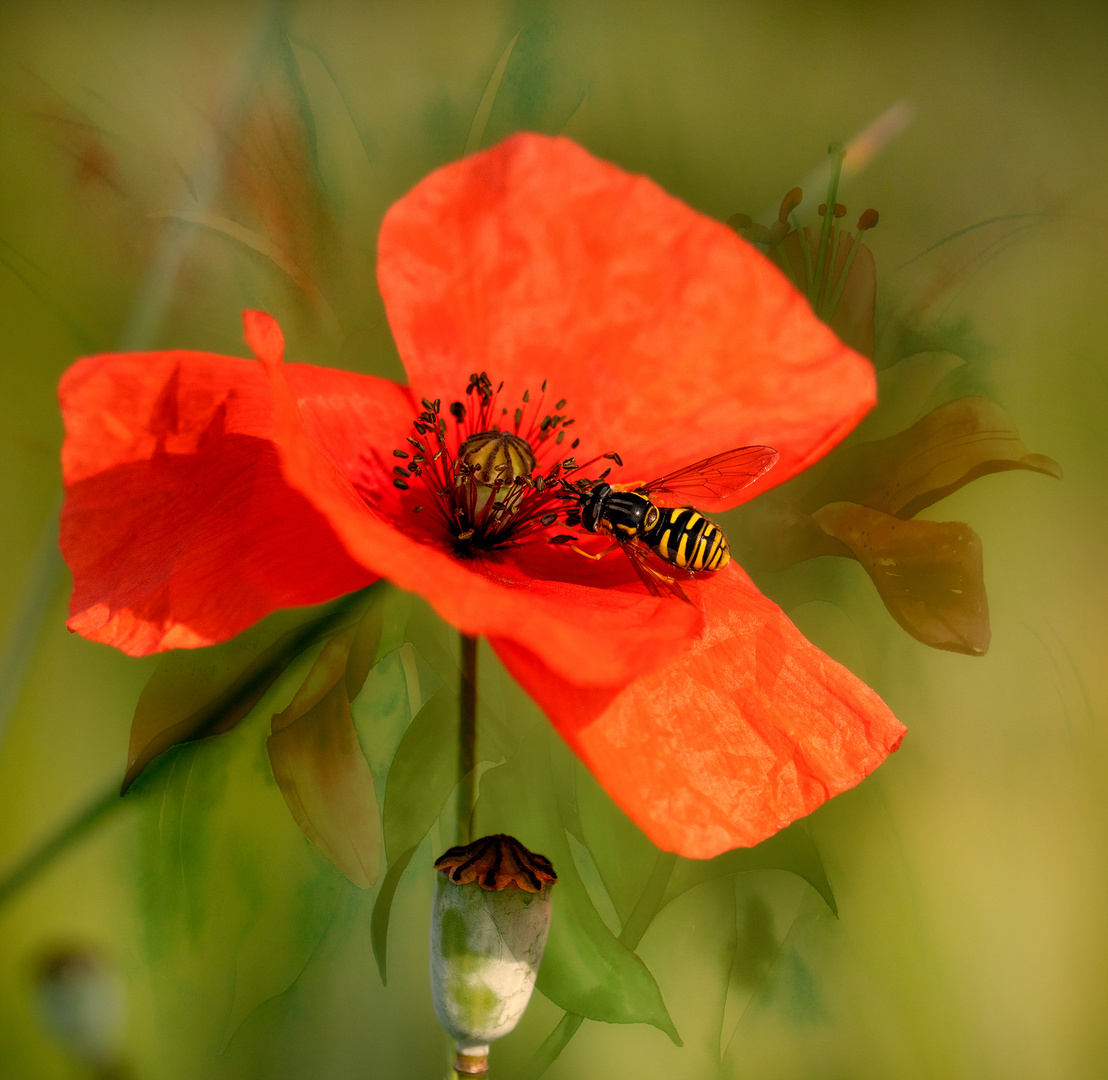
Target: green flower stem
(838,153)
(467,737)
(642,915)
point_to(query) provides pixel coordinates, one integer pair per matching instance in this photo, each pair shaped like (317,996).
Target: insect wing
(658,581)
(714,478)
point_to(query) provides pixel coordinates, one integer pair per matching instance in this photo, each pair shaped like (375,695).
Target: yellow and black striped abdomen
(686,538)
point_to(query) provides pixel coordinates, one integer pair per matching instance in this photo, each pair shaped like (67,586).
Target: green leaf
(623,854)
(423,773)
(195,693)
(396,610)
(791,849)
(327,783)
(364,650)
(438,644)
(382,909)
(585,969)
(950,447)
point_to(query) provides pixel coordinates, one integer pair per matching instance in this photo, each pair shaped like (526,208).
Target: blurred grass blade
(488,98)
(41,581)
(263,246)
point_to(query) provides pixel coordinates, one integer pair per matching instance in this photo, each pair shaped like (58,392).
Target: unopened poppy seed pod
(81,1002)
(488,930)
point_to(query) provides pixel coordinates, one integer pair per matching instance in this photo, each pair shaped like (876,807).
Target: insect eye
(651,518)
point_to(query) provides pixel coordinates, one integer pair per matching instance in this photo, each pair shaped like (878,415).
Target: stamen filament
(834,303)
(838,151)
(804,254)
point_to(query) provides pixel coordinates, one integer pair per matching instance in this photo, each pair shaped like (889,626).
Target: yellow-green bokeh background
(970,871)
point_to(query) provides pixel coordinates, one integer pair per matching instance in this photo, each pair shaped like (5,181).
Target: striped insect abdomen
(688,539)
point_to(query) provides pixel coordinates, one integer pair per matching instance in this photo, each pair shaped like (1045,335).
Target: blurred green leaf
(233,902)
(195,693)
(950,447)
(396,609)
(930,574)
(791,849)
(424,772)
(382,909)
(903,390)
(364,649)
(585,969)
(437,643)
(323,774)
(623,854)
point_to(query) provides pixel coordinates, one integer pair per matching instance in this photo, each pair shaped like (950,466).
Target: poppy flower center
(491,476)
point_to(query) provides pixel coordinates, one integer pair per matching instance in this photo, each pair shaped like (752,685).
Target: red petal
(671,338)
(729,743)
(264,336)
(178,525)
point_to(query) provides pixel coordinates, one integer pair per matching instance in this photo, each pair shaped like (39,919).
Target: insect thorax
(624,514)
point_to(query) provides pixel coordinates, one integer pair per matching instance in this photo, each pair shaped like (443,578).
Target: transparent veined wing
(659,578)
(714,478)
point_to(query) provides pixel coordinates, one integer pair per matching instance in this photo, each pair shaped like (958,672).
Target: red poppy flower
(204,491)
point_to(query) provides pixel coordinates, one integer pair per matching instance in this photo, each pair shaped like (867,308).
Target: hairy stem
(467,736)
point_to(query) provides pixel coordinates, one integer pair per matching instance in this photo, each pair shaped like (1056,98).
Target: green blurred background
(149,150)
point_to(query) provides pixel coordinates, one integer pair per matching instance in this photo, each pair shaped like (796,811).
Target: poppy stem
(467,737)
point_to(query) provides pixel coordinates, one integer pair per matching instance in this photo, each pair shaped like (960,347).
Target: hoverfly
(645,521)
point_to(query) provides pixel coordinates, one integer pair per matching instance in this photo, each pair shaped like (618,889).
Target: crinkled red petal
(750,730)
(178,525)
(672,338)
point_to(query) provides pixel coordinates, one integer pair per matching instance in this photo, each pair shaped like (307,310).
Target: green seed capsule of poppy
(81,1002)
(488,930)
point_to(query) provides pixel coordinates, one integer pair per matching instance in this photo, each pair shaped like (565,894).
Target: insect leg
(597,557)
